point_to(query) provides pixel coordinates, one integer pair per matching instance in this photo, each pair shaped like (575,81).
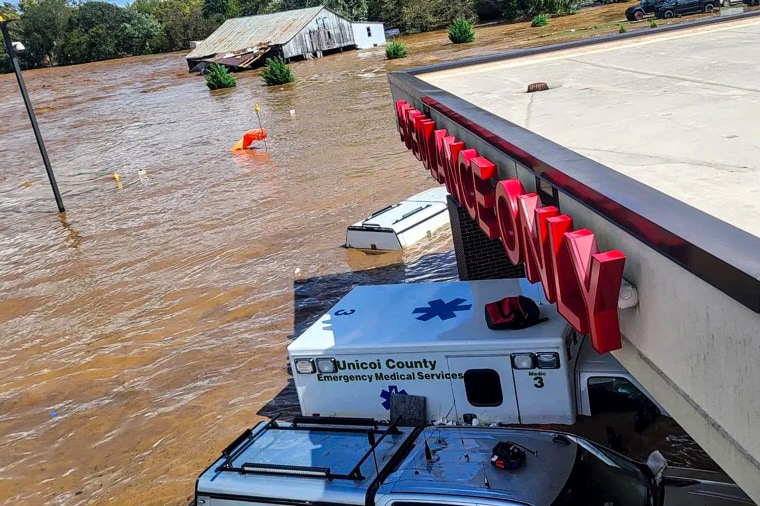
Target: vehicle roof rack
(304,423)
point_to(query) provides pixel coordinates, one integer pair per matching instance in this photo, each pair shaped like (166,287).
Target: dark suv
(638,11)
(672,8)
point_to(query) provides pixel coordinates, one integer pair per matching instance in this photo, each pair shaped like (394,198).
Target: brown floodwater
(146,328)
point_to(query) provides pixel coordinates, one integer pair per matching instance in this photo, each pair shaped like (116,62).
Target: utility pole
(30,110)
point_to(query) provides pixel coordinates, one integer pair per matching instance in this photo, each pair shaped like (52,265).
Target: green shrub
(461,31)
(276,71)
(219,77)
(653,24)
(395,49)
(540,20)
(622,29)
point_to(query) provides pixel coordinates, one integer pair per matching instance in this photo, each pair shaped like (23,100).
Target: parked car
(753,3)
(671,8)
(638,11)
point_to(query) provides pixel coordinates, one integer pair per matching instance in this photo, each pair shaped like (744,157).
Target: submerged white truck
(432,340)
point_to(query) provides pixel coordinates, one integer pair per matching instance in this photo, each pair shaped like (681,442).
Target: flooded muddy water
(145,329)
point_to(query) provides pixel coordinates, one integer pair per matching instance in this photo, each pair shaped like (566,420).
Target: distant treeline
(62,32)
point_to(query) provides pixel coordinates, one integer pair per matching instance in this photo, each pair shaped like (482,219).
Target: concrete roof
(241,33)
(677,111)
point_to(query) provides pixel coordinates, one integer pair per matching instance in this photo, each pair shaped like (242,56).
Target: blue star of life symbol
(386,395)
(443,310)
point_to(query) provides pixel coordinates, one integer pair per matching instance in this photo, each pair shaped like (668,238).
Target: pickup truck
(641,9)
(320,461)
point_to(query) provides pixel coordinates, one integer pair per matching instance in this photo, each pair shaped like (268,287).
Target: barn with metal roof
(242,43)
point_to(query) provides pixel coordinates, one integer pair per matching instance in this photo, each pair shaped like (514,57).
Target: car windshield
(601,477)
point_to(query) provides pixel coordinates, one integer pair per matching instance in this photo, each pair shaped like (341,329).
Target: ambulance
(432,340)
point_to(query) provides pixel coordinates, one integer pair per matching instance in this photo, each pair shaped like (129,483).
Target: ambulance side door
(483,386)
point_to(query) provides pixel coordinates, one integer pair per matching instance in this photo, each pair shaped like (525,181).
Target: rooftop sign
(583,282)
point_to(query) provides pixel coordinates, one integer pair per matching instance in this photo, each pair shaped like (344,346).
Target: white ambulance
(432,340)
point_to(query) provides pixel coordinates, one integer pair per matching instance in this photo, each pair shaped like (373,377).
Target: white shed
(368,34)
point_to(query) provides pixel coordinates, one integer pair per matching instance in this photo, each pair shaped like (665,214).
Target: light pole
(9,47)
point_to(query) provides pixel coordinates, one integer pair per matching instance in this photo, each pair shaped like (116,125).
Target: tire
(709,8)
(668,14)
(755,3)
(639,15)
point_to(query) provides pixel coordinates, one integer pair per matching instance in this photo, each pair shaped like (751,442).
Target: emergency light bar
(317,472)
(523,361)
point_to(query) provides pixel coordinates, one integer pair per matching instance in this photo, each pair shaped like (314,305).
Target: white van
(431,340)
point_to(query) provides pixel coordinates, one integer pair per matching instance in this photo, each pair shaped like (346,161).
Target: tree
(90,15)
(423,15)
(182,21)
(140,33)
(9,11)
(252,7)
(43,26)
(391,12)
(93,33)
(354,10)
(520,9)
(216,9)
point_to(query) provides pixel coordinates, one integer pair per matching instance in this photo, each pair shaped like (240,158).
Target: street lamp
(12,48)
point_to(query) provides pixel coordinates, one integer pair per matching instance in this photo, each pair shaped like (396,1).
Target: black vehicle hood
(688,487)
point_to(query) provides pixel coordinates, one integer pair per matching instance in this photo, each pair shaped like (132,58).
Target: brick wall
(478,257)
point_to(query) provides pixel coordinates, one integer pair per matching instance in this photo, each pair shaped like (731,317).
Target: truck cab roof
(421,316)
(460,466)
(315,461)
(304,461)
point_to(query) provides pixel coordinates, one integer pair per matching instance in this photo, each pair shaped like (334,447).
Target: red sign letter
(436,147)
(425,127)
(599,276)
(508,217)
(411,116)
(482,172)
(401,106)
(569,299)
(535,239)
(464,181)
(451,149)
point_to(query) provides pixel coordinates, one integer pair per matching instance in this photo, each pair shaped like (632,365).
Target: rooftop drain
(534,87)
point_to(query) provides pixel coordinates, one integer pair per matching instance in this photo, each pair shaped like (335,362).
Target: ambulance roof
(416,316)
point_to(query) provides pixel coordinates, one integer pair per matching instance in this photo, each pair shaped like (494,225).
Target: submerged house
(242,43)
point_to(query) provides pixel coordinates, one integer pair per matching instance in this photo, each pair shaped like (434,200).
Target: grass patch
(622,29)
(540,20)
(276,72)
(461,31)
(395,49)
(218,77)
(653,24)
